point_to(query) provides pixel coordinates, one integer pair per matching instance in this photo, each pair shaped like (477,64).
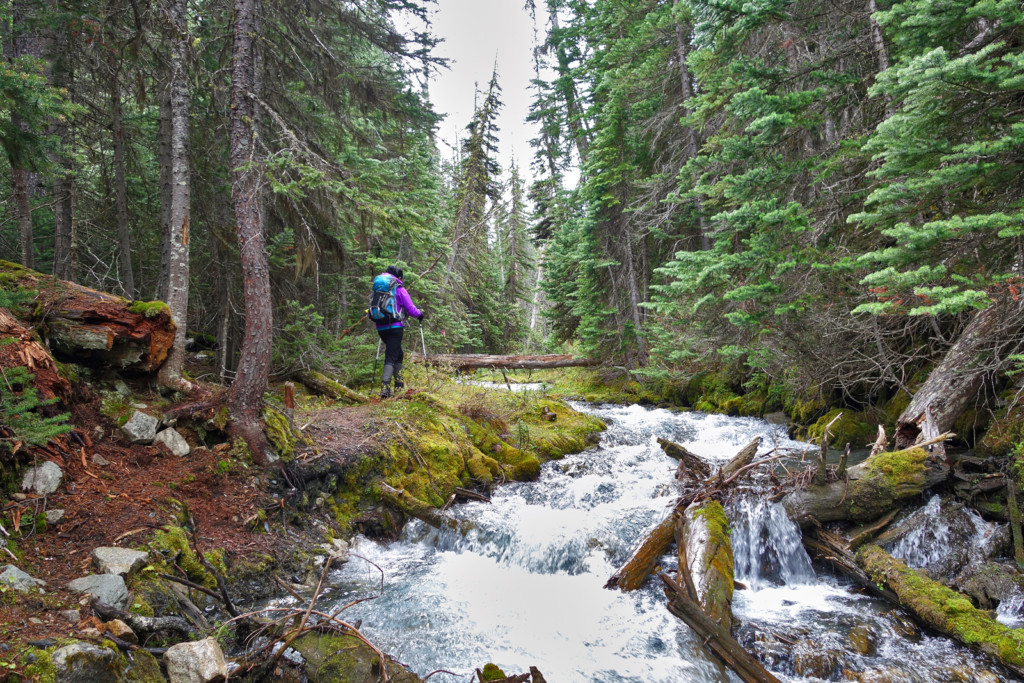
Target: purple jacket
(405,305)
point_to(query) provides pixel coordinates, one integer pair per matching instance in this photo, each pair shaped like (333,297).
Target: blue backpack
(383,305)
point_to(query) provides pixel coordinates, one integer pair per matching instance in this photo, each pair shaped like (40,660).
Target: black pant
(393,354)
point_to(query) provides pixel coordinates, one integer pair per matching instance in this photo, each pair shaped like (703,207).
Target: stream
(520,582)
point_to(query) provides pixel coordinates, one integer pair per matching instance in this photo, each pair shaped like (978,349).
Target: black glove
(423,314)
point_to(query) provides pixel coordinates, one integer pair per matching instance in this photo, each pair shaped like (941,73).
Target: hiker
(390,304)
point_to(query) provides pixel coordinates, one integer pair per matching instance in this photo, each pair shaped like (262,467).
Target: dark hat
(394,270)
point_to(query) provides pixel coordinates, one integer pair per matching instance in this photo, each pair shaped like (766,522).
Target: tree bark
(20,178)
(981,351)
(245,398)
(178,213)
(124,234)
(943,609)
(23,349)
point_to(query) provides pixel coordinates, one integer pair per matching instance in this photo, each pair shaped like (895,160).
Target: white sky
(475,33)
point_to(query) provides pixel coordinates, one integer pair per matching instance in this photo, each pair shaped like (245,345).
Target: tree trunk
(869,489)
(245,398)
(691,465)
(943,609)
(702,536)
(323,385)
(641,563)
(178,214)
(124,234)
(163,156)
(981,351)
(476,361)
(20,181)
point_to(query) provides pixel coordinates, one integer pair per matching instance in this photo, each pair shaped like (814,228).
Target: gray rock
(86,663)
(110,588)
(99,460)
(120,561)
(72,615)
(175,441)
(777,418)
(141,428)
(19,580)
(199,662)
(121,388)
(43,479)
(54,516)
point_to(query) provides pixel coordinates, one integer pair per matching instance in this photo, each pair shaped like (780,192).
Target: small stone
(120,630)
(99,460)
(86,663)
(198,662)
(72,615)
(19,580)
(862,639)
(35,620)
(43,479)
(120,561)
(108,588)
(139,406)
(121,388)
(54,516)
(141,428)
(173,440)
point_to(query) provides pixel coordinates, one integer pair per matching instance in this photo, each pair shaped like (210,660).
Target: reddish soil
(124,502)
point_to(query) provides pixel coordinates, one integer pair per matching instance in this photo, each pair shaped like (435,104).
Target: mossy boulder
(81,662)
(331,658)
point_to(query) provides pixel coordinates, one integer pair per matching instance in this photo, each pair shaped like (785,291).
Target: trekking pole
(423,343)
(376,358)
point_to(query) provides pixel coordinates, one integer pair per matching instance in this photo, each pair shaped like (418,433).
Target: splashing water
(767,546)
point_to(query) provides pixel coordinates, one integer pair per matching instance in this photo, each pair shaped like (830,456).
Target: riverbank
(211,516)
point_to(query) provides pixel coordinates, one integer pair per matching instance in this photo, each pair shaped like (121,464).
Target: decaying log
(25,351)
(705,554)
(833,550)
(943,609)
(413,506)
(142,626)
(86,324)
(740,460)
(870,489)
(643,560)
(322,385)
(478,361)
(865,533)
(881,442)
(982,350)
(714,635)
(691,465)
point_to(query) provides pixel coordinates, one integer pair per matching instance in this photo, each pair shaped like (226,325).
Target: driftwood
(691,465)
(705,555)
(865,533)
(641,563)
(833,550)
(88,325)
(943,609)
(740,460)
(482,361)
(982,350)
(141,625)
(715,636)
(322,385)
(869,489)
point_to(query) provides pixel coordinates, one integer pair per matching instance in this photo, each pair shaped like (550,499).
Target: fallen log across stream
(478,361)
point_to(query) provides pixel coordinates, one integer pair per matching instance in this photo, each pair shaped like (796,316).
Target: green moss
(899,466)
(150,309)
(847,429)
(280,433)
(173,541)
(345,658)
(492,672)
(527,469)
(38,665)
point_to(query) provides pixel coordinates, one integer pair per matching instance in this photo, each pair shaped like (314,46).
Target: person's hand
(423,314)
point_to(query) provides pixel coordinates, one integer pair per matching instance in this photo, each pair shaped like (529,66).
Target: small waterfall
(928,541)
(1011,610)
(766,545)
(944,537)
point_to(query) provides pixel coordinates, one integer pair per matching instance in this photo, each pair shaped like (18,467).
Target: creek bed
(520,582)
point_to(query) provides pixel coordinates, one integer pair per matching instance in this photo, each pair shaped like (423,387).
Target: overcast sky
(476,33)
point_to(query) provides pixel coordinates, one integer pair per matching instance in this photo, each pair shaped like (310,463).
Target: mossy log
(705,551)
(869,489)
(982,350)
(945,610)
(322,385)
(691,465)
(714,635)
(85,324)
(24,350)
(413,506)
(478,361)
(832,549)
(641,563)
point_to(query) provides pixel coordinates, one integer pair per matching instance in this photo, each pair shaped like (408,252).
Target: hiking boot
(399,385)
(385,391)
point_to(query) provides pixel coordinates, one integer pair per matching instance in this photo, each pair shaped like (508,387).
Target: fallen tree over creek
(476,361)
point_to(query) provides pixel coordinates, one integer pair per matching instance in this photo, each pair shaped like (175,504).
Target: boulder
(109,588)
(43,479)
(140,428)
(198,662)
(87,663)
(174,441)
(120,561)
(19,580)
